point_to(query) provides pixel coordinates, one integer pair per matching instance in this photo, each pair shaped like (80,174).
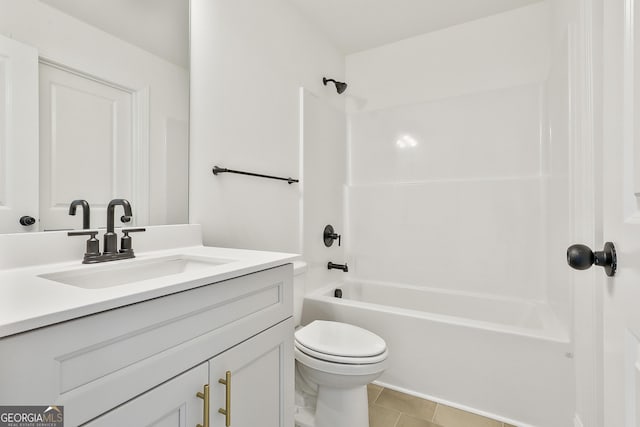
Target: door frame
(140,137)
(19,141)
(586,206)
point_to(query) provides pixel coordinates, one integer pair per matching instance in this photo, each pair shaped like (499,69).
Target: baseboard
(454,405)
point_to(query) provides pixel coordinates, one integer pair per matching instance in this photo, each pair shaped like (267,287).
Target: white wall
(68,41)
(461,209)
(249,59)
(504,50)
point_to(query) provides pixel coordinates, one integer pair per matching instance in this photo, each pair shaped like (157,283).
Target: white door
(173,404)
(260,381)
(621,197)
(86,147)
(18,135)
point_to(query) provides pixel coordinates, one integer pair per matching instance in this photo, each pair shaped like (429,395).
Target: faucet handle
(126,231)
(92,233)
(93,244)
(125,241)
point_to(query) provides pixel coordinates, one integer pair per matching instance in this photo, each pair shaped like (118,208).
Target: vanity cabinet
(255,372)
(144,363)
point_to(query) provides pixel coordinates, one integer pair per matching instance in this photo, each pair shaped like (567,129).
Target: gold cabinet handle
(227,410)
(205,413)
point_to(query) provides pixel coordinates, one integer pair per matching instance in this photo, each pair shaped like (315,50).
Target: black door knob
(581,257)
(27,220)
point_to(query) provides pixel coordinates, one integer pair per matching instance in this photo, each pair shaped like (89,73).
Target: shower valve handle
(581,257)
(329,235)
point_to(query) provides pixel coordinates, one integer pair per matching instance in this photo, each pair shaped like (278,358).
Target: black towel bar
(217,170)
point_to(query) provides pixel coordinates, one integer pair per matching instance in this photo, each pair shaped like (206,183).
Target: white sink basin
(118,273)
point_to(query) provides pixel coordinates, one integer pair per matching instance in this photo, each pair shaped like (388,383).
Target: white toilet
(334,363)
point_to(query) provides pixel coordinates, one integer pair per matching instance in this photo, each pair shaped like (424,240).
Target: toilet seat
(347,360)
(340,342)
(339,369)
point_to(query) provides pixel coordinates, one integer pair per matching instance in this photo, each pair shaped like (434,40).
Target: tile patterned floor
(389,408)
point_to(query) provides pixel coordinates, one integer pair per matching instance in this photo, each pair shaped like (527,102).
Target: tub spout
(344,267)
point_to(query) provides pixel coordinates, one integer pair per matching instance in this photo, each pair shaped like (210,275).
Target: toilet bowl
(334,363)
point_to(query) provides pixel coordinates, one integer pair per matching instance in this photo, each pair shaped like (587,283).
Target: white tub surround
(467,173)
(447,159)
(500,357)
(29,301)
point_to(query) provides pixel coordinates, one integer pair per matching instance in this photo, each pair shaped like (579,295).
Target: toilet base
(342,407)
(304,417)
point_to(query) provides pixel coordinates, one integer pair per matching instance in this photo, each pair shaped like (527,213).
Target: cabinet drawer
(94,363)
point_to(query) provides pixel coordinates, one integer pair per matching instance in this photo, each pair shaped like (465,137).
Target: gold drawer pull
(205,414)
(227,411)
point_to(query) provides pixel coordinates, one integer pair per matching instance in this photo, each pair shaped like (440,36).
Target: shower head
(340,86)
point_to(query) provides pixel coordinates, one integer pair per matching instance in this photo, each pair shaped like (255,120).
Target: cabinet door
(172,404)
(261,380)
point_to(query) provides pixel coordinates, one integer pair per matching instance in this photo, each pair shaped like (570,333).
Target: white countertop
(28,301)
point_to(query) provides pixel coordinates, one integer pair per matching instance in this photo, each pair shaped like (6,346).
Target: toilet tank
(299,273)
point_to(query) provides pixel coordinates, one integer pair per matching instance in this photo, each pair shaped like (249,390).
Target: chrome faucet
(86,215)
(111,252)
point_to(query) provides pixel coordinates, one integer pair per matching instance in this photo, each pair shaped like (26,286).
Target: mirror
(94,105)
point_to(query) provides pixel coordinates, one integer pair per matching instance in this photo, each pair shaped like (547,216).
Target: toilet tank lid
(340,339)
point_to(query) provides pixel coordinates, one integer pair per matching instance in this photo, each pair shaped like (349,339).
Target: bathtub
(507,359)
